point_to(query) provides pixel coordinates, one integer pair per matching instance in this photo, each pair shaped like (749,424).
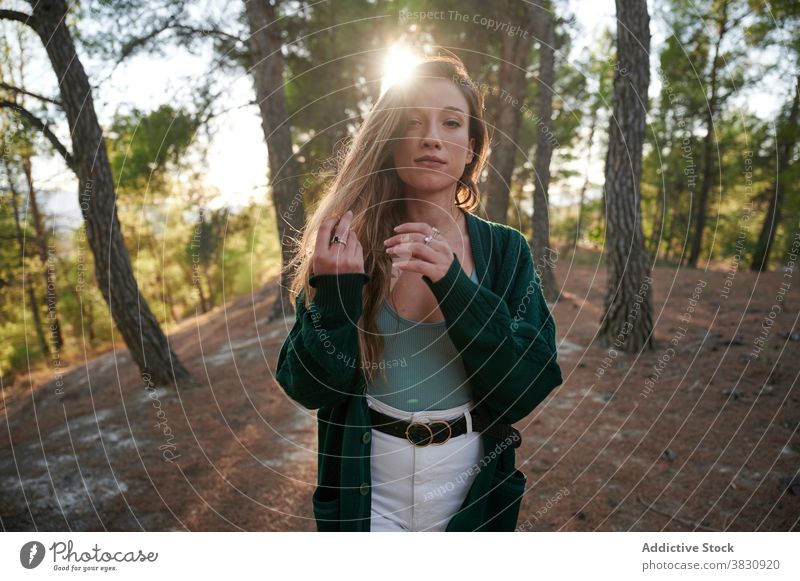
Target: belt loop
(468,416)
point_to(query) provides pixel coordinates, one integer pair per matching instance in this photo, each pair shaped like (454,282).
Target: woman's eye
(456,123)
(412,121)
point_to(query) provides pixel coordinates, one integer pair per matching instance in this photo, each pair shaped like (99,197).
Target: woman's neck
(438,210)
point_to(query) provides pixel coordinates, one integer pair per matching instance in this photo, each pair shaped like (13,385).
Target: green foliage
(145,147)
(334,56)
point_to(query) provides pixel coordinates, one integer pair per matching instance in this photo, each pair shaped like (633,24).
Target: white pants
(420,488)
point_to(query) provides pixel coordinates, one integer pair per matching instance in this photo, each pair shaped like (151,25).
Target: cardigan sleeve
(318,362)
(508,347)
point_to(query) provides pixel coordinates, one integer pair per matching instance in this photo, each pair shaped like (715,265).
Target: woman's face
(437,126)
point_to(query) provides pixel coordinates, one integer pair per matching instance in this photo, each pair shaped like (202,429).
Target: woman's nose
(431,138)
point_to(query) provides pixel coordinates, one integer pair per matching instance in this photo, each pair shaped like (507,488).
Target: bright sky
(237,159)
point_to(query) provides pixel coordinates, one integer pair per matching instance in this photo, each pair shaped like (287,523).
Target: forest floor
(711,442)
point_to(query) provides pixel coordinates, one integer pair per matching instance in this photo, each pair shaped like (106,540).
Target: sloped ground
(713,445)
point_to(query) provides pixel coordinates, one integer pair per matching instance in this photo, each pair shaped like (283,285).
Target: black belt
(439,431)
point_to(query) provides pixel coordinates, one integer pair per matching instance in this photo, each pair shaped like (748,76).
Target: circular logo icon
(31,554)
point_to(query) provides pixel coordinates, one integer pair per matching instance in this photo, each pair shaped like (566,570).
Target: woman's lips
(430,164)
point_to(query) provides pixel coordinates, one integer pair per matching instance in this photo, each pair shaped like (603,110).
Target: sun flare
(397,66)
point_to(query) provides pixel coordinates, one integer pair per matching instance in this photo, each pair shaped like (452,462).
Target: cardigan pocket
(326,511)
(503,503)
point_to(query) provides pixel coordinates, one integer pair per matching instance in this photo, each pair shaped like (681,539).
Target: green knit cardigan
(506,336)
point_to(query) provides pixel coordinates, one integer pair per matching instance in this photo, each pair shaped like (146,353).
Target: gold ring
(430,434)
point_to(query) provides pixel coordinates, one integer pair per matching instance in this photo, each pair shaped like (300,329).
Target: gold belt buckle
(414,433)
(414,427)
(449,432)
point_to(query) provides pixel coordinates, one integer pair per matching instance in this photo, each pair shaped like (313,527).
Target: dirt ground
(710,442)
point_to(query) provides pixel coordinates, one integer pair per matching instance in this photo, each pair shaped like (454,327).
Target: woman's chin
(422,184)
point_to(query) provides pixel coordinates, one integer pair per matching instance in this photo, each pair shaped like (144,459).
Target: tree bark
(544,256)
(41,239)
(146,341)
(627,322)
(773,218)
(585,186)
(26,279)
(161,280)
(268,64)
(508,102)
(657,235)
(203,302)
(708,146)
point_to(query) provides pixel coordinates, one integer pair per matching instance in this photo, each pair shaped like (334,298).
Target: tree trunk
(627,322)
(265,53)
(217,297)
(773,218)
(657,235)
(203,302)
(669,236)
(508,103)
(26,279)
(146,341)
(161,280)
(585,186)
(41,246)
(708,146)
(336,133)
(87,312)
(544,256)
(195,274)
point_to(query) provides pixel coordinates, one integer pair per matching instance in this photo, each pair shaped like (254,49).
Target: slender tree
(144,337)
(43,249)
(776,26)
(265,53)
(723,21)
(627,323)
(543,254)
(26,151)
(785,142)
(515,54)
(26,276)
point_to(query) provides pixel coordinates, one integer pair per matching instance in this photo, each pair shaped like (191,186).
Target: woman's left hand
(410,253)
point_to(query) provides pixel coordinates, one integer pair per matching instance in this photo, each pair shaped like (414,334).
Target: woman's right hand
(337,258)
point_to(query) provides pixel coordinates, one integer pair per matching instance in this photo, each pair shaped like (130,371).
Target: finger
(323,240)
(422,227)
(435,241)
(353,250)
(437,246)
(417,250)
(342,251)
(355,243)
(419,266)
(344,224)
(405,237)
(352,244)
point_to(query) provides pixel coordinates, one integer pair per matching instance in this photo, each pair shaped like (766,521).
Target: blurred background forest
(159,156)
(176,94)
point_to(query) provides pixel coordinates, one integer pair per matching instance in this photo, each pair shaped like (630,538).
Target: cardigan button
(364,488)
(366,437)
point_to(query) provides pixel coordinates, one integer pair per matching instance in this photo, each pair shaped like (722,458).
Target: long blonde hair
(367,183)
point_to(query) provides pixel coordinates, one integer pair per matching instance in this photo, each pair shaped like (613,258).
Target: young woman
(421,331)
